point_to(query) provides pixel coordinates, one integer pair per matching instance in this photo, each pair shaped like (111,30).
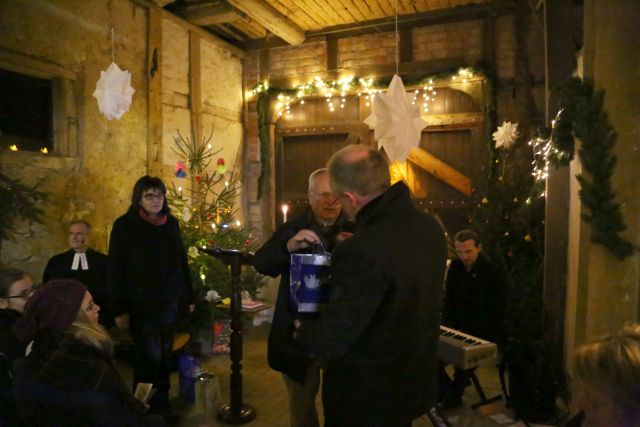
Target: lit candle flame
(285,209)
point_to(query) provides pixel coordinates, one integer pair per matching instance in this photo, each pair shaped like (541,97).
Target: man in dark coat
(380,328)
(84,265)
(474,303)
(320,223)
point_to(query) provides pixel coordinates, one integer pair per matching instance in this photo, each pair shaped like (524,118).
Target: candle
(180,192)
(285,209)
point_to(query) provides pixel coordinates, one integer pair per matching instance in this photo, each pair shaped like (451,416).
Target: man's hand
(302,240)
(342,236)
(122,321)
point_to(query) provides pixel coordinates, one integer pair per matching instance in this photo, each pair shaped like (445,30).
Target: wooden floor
(264,390)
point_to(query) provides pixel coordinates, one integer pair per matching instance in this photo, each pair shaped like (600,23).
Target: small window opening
(26,112)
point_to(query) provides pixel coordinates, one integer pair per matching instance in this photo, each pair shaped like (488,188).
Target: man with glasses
(85,265)
(321,223)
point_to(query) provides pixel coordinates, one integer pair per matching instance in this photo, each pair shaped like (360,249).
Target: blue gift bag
(188,371)
(308,286)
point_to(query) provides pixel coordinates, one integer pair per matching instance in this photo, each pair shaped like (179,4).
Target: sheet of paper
(500,418)
(143,392)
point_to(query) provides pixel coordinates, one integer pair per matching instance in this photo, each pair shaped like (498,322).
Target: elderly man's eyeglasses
(323,194)
(151,196)
(25,294)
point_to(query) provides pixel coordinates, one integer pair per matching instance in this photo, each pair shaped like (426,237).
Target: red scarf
(161,219)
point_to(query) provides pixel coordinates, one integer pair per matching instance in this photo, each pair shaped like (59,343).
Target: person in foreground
(321,222)
(607,373)
(150,283)
(69,377)
(16,287)
(380,329)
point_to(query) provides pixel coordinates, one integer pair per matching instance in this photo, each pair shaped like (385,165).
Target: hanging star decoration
(114,92)
(396,122)
(506,135)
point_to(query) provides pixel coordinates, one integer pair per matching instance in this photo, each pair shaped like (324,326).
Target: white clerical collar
(80,258)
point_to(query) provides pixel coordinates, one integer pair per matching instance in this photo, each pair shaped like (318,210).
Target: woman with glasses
(150,284)
(69,377)
(16,286)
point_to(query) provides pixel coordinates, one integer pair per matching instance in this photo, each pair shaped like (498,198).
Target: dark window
(26,112)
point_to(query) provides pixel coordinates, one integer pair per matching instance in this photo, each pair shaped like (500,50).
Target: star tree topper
(506,135)
(396,122)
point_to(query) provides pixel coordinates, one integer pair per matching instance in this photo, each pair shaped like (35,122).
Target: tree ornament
(396,122)
(198,179)
(527,238)
(506,135)
(485,200)
(181,170)
(220,166)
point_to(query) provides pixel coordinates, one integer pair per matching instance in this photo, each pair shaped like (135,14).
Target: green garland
(581,116)
(264,94)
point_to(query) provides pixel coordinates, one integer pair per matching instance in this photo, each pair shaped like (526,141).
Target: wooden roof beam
(272,20)
(219,13)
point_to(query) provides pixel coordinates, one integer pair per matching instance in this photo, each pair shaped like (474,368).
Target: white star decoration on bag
(114,92)
(506,135)
(396,122)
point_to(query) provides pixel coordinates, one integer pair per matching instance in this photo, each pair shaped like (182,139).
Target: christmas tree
(509,217)
(18,202)
(205,207)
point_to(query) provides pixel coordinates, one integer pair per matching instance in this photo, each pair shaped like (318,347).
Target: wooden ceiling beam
(272,20)
(219,13)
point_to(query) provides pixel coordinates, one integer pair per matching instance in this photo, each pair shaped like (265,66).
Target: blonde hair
(612,364)
(90,333)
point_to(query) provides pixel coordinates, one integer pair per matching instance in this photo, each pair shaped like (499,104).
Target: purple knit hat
(53,306)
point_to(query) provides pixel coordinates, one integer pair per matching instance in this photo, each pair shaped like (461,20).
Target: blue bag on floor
(188,371)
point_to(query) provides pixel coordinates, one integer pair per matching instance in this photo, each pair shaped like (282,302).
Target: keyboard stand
(483,397)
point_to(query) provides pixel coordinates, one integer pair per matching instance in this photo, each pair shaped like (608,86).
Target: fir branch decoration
(18,201)
(583,117)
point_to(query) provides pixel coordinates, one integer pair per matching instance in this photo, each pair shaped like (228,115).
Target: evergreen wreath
(581,116)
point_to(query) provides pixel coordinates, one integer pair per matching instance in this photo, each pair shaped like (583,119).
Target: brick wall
(308,58)
(367,50)
(461,39)
(505,45)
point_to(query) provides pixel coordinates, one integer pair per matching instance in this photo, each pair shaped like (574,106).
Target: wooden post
(154,96)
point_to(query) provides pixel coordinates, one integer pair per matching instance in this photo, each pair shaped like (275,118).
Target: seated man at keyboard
(474,303)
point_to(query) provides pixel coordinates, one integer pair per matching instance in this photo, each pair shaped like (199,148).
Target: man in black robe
(85,265)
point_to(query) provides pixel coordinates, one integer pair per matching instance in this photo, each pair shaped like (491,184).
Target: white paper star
(396,122)
(114,92)
(506,135)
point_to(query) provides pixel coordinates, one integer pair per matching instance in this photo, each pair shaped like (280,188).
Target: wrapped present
(207,393)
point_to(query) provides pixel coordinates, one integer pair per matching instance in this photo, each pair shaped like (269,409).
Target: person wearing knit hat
(69,376)
(53,306)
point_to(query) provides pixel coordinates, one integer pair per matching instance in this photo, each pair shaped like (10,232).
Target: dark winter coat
(10,350)
(273,259)
(95,278)
(475,300)
(381,326)
(65,382)
(149,274)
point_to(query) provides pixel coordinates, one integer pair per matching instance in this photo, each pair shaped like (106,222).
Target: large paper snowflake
(506,135)
(114,92)
(396,122)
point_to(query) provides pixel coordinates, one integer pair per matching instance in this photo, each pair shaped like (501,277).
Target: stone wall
(92,179)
